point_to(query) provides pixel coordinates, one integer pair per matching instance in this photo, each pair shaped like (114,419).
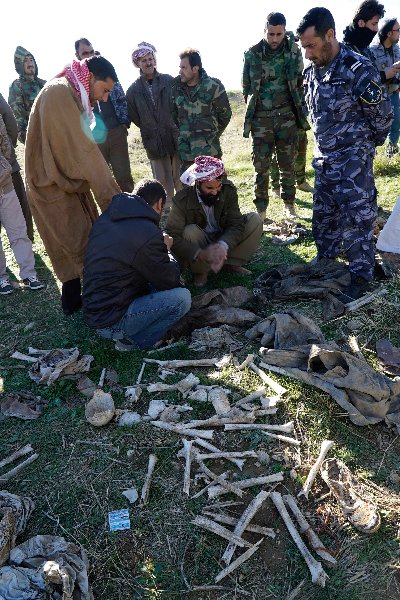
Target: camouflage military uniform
(275,111)
(350,115)
(299,164)
(201,114)
(23,92)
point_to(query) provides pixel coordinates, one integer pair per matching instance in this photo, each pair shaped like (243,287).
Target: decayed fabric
(23,405)
(214,337)
(58,363)
(285,232)
(285,330)
(366,395)
(217,307)
(320,280)
(14,514)
(46,567)
(62,165)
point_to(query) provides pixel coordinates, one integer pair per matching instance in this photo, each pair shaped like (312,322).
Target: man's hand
(391,72)
(168,241)
(215,255)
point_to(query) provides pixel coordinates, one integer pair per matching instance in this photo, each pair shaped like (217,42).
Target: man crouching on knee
(209,231)
(131,283)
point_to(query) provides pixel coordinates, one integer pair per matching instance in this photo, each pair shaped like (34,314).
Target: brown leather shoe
(236,269)
(200,279)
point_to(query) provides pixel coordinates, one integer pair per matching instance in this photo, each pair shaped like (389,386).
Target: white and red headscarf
(204,168)
(142,49)
(78,75)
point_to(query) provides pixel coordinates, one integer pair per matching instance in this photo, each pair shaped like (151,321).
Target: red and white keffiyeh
(78,75)
(204,168)
(142,49)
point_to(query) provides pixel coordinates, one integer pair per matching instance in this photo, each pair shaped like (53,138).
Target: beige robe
(62,165)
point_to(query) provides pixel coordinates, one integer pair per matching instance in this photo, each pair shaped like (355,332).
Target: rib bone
(305,528)
(17,454)
(318,574)
(325,447)
(18,468)
(236,563)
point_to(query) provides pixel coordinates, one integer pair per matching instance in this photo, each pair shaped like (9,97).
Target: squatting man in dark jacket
(131,284)
(209,231)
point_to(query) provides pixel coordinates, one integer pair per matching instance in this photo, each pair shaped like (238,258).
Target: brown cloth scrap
(217,307)
(321,280)
(285,330)
(366,395)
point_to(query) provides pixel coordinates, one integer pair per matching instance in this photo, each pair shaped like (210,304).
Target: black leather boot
(71,299)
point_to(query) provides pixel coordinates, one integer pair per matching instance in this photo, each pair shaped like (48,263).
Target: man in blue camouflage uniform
(350,115)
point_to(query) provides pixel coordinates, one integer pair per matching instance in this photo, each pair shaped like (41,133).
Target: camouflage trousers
(299,165)
(344,211)
(274,130)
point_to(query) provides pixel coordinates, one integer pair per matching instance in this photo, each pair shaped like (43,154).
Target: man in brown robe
(64,166)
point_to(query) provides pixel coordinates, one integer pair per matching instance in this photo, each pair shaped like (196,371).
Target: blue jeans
(395,128)
(149,317)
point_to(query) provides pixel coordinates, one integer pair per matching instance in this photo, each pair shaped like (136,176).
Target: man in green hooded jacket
(24,90)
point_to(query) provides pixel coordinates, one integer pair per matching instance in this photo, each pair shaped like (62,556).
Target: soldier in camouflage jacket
(273,90)
(24,90)
(200,108)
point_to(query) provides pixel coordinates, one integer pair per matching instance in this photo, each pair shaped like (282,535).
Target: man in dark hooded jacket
(359,34)
(24,90)
(131,284)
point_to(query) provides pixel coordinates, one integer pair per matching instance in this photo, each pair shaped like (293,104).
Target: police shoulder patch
(352,63)
(372,93)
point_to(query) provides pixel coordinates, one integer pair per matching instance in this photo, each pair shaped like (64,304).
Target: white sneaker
(5,287)
(32,283)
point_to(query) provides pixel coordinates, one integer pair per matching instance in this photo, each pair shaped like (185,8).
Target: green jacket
(23,92)
(201,114)
(252,76)
(187,210)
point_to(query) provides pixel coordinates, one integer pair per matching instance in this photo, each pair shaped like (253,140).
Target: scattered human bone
(355,348)
(213,337)
(326,445)
(242,523)
(245,454)
(128,418)
(10,474)
(187,446)
(282,438)
(278,389)
(206,434)
(133,393)
(217,490)
(209,484)
(253,396)
(172,413)
(208,446)
(285,427)
(224,361)
(198,395)
(221,531)
(270,401)
(141,372)
(163,348)
(240,560)
(183,386)
(249,359)
(178,364)
(226,485)
(37,351)
(102,377)
(86,386)
(144,496)
(318,574)
(156,407)
(25,357)
(305,528)
(219,399)
(366,299)
(15,455)
(100,409)
(165,373)
(226,520)
(131,494)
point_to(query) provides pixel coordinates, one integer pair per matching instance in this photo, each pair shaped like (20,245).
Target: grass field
(81,470)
